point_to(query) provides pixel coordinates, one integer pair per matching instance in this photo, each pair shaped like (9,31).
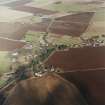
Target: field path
(10,39)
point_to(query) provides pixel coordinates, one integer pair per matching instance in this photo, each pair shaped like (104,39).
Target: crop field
(71,7)
(73,25)
(97,24)
(9,45)
(6,14)
(4,62)
(40,2)
(99,15)
(65,22)
(33,10)
(34,37)
(12,31)
(66,40)
(17,3)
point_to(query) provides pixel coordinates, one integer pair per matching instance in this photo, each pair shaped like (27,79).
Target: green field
(2,82)
(4,62)
(34,38)
(39,2)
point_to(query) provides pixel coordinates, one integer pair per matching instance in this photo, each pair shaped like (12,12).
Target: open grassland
(4,62)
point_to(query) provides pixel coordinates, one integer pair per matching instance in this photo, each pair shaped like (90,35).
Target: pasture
(4,62)
(34,37)
(71,7)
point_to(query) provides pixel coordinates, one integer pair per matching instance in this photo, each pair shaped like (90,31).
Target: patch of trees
(45,54)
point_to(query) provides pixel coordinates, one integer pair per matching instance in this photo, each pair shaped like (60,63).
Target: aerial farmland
(65,21)
(33,30)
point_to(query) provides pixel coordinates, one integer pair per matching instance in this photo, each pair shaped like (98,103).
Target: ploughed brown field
(85,67)
(91,83)
(13,31)
(50,89)
(9,45)
(79,17)
(76,59)
(73,25)
(34,10)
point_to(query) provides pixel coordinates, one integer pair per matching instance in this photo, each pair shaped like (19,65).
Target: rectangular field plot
(68,7)
(4,62)
(72,25)
(37,2)
(9,15)
(97,24)
(10,45)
